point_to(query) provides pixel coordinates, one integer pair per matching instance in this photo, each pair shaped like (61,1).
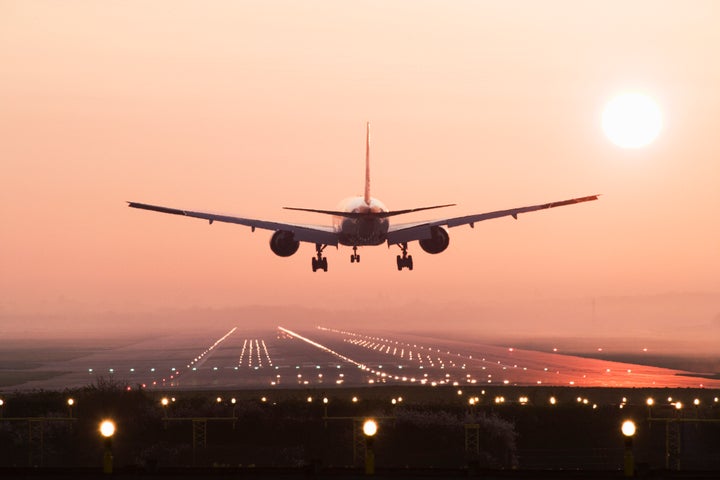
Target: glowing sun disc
(632,120)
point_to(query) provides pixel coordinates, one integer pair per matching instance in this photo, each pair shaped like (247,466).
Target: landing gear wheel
(404,260)
(354,257)
(319,262)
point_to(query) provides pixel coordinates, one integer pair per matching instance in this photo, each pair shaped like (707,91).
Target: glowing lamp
(628,428)
(107,428)
(650,402)
(164,402)
(70,402)
(370,427)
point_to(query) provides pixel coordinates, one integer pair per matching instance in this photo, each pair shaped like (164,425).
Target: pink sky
(245,107)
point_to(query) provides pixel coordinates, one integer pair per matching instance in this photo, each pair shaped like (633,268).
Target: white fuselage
(364,230)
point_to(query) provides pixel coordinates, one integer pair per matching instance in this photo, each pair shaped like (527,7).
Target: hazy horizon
(586,323)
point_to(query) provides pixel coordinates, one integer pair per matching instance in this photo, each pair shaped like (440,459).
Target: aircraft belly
(363,232)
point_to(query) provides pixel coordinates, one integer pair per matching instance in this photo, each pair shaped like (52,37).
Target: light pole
(233,402)
(628,430)
(107,430)
(164,402)
(2,403)
(370,428)
(70,403)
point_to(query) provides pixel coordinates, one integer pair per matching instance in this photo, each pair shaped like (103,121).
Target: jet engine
(283,243)
(438,242)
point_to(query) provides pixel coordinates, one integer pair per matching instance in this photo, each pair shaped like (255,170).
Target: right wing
(423,230)
(303,233)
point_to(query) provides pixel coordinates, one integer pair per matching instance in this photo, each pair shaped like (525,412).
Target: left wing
(409,232)
(303,233)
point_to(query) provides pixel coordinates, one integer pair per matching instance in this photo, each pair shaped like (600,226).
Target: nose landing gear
(404,261)
(319,262)
(355,257)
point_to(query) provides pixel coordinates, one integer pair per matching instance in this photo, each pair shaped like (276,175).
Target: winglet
(367,163)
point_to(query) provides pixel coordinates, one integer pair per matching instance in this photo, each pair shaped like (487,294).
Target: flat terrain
(280,358)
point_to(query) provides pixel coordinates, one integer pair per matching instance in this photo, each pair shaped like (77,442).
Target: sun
(632,120)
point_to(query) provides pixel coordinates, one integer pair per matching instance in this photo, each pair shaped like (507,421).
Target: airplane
(362,221)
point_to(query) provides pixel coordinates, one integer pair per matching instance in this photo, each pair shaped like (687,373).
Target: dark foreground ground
(310,472)
(509,432)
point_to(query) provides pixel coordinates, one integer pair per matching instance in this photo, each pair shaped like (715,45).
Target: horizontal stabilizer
(368,214)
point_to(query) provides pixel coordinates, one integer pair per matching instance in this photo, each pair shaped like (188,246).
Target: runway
(323,357)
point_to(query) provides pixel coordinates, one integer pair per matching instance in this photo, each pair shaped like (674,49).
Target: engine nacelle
(283,243)
(438,242)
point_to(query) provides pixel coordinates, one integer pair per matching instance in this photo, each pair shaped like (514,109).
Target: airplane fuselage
(362,230)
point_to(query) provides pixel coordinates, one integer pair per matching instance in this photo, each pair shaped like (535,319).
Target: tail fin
(367,163)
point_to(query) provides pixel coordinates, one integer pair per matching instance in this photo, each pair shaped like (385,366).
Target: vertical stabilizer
(367,163)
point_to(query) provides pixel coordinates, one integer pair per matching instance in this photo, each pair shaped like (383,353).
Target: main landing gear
(354,257)
(319,262)
(405,260)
